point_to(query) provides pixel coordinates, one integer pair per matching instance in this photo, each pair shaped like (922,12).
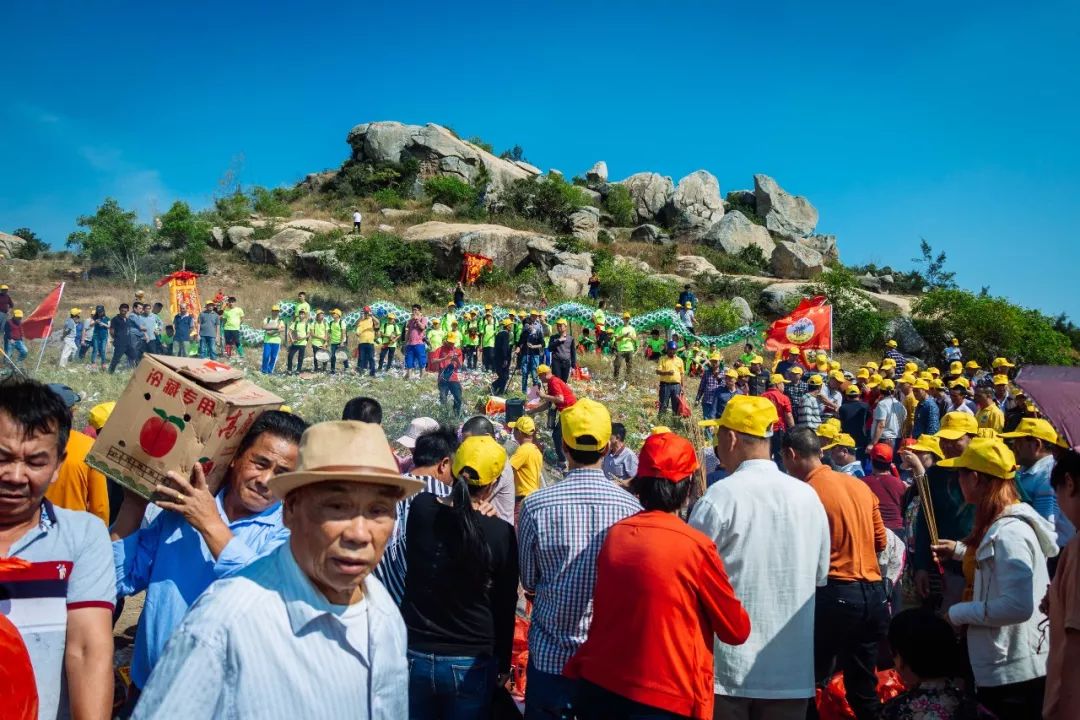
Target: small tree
(934,271)
(180,226)
(515,153)
(33,247)
(112,238)
(620,204)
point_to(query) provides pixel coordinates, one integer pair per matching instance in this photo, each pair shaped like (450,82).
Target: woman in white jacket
(1005,564)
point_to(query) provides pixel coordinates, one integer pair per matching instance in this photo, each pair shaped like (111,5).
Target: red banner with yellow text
(809,327)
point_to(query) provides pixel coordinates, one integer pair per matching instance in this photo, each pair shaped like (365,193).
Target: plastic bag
(832,702)
(519,657)
(17,685)
(683,406)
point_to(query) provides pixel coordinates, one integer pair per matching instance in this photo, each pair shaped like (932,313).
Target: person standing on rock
(357,219)
(594,287)
(459,296)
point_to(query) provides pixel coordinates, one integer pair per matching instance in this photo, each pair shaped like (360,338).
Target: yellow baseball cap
(795,370)
(541,369)
(1001,379)
(747,414)
(875,380)
(483,455)
(841,440)
(678,305)
(834,365)
(837,376)
(829,429)
(743,371)
(100,413)
(524,424)
(910,367)
(920,384)
(626,316)
(972,365)
(777,379)
(907,378)
(872,365)
(1000,362)
(990,456)
(507,322)
(937,384)
(659,430)
(17,313)
(927,444)
(956,425)
(956,341)
(391,316)
(587,419)
(852,390)
(450,304)
(924,375)
(275,308)
(890,343)
(814,380)
(959,382)
(3,287)
(888,363)
(956,367)
(488,306)
(76,311)
(887,384)
(933,371)
(731,373)
(757,360)
(451,337)
(863,374)
(716,356)
(1035,428)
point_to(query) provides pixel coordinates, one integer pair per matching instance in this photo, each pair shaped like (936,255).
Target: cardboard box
(174,412)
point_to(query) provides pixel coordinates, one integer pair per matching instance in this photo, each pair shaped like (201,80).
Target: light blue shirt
(1034,482)
(170,560)
(266,644)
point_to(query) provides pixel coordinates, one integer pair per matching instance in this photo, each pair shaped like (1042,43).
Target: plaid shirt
(560,532)
(808,411)
(710,383)
(899,358)
(795,391)
(391,569)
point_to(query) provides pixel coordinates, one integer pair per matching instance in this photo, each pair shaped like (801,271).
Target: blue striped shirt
(265,643)
(560,532)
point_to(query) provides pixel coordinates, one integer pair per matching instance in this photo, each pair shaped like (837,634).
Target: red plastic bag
(519,657)
(832,702)
(17,685)
(684,407)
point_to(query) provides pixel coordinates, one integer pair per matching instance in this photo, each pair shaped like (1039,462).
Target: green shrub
(434,292)
(193,256)
(357,179)
(989,327)
(857,323)
(571,244)
(381,261)
(750,260)
(620,205)
(634,291)
(496,278)
(180,227)
(388,198)
(324,241)
(602,258)
(265,232)
(549,198)
(726,287)
(716,318)
(449,190)
(482,144)
(274,203)
(234,207)
(748,210)
(33,247)
(668,257)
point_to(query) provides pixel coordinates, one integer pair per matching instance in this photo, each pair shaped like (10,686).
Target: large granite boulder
(792,260)
(780,298)
(695,206)
(649,233)
(651,193)
(395,214)
(735,233)
(313,225)
(824,244)
(584,223)
(571,281)
(236,235)
(544,254)
(318,264)
(443,210)
(691,266)
(746,315)
(438,151)
(508,248)
(908,339)
(217,238)
(282,249)
(784,213)
(9,244)
(597,173)
(632,263)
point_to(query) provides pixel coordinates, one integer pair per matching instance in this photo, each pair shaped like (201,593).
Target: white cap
(416,428)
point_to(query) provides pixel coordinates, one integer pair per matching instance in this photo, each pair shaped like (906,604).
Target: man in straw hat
(306,630)
(558,546)
(776,551)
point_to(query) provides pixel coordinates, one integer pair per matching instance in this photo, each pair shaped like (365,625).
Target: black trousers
(333,356)
(850,619)
(470,357)
(1016,701)
(123,351)
(502,377)
(560,368)
(386,356)
(298,352)
(488,356)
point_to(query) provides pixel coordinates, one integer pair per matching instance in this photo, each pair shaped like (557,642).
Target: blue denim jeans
(366,359)
(269,358)
(547,696)
(453,389)
(19,347)
(207,347)
(442,687)
(529,363)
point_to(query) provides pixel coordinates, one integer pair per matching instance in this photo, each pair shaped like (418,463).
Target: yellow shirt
(991,417)
(673,364)
(910,404)
(365,330)
(77,487)
(527,462)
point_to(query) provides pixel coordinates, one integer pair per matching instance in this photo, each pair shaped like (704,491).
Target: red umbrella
(1056,390)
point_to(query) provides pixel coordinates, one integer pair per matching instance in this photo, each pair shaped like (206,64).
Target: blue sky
(950,121)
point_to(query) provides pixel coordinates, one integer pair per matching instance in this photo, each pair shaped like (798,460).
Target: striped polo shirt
(68,565)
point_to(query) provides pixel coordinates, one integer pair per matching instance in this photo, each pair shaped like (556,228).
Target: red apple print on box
(159,434)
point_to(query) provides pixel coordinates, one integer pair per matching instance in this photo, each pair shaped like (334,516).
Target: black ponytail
(471,554)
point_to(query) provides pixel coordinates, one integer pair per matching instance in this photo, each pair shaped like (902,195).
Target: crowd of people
(852,521)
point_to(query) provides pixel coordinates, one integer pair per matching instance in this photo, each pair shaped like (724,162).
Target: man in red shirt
(654,571)
(779,398)
(557,395)
(445,361)
(888,488)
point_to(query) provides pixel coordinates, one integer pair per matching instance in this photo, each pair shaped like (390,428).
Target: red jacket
(661,594)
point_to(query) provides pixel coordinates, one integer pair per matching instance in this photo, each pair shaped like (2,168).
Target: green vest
(319,331)
(586,342)
(272,337)
(488,329)
(337,332)
(626,339)
(299,331)
(515,332)
(435,337)
(447,321)
(389,333)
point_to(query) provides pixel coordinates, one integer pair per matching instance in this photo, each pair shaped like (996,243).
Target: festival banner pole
(48,332)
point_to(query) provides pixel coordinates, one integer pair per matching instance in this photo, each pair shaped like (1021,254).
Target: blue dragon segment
(574,312)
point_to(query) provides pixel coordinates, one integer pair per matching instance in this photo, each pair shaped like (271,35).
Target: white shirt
(266,644)
(893,412)
(773,536)
(356,216)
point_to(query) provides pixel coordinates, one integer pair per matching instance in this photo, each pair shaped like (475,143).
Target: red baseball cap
(881,452)
(667,456)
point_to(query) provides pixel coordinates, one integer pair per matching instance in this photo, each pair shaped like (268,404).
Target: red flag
(808,327)
(39,323)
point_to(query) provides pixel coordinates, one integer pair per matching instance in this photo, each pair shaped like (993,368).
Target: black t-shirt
(446,610)
(853,417)
(119,326)
(459,296)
